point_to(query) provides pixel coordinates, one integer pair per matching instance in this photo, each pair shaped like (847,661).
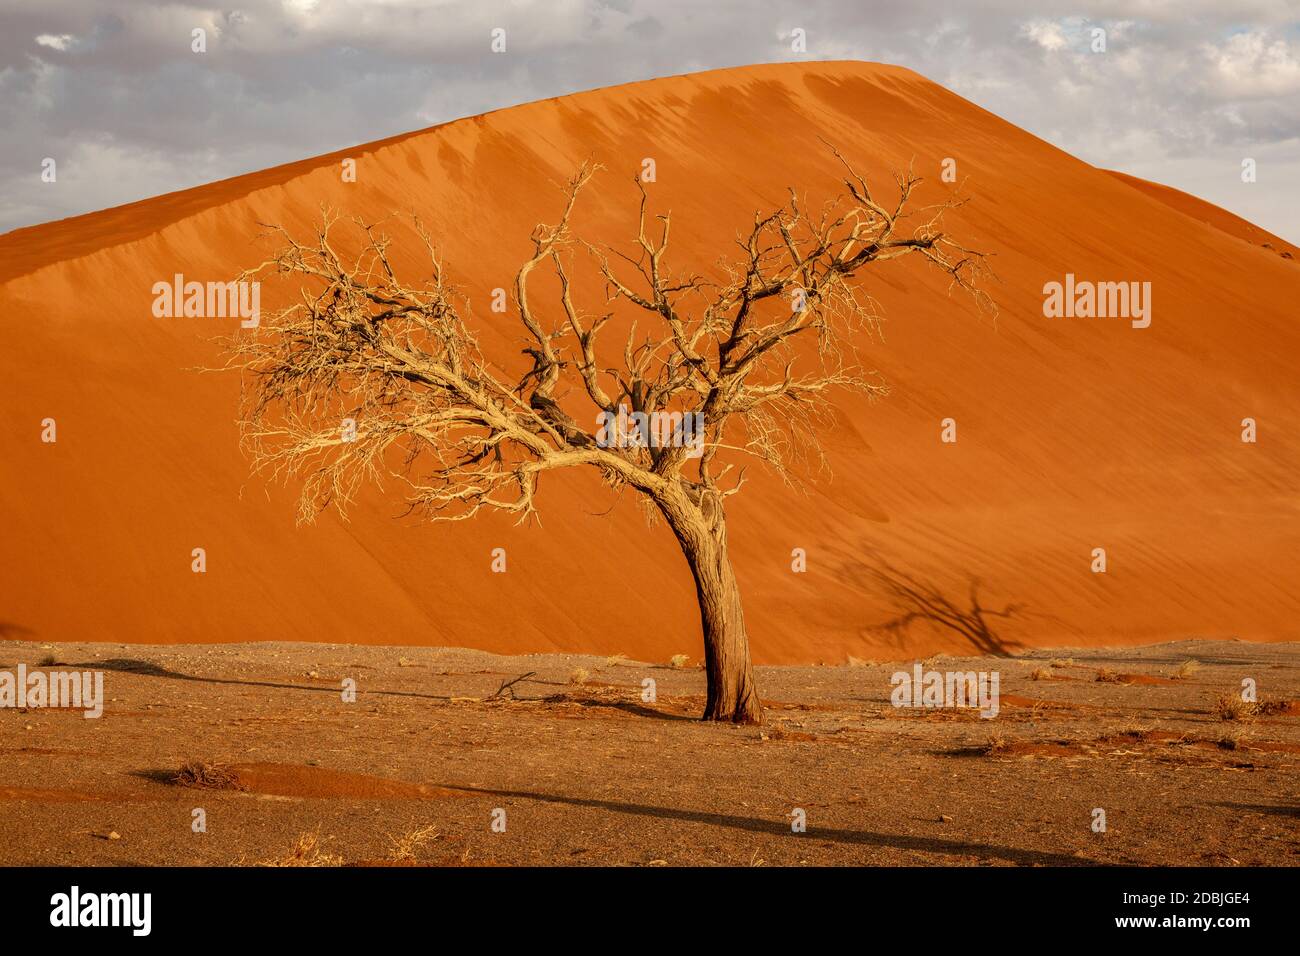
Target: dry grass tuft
(1038,710)
(580,675)
(1233,739)
(679,660)
(1040,673)
(1230,706)
(616,660)
(1062,662)
(202,775)
(1186,669)
(1107,676)
(405,846)
(306,852)
(997,743)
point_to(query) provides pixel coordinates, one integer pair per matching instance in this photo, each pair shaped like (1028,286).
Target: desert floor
(588,773)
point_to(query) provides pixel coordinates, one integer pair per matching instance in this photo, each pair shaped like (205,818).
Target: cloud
(1255,64)
(60,42)
(114,92)
(1049,36)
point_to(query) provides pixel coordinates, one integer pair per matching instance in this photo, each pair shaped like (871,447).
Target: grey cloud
(1184,91)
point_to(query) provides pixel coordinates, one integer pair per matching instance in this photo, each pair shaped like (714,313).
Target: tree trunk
(732,695)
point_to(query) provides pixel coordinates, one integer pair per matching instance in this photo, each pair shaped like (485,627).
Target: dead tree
(753,353)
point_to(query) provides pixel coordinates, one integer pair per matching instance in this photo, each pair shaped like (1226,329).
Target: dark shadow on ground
(626,706)
(159,775)
(896,841)
(1291,811)
(149,669)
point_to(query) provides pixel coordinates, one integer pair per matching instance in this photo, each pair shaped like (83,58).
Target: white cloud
(1050,36)
(1254,63)
(60,42)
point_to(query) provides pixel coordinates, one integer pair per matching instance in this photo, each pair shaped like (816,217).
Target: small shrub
(1230,706)
(201,775)
(1232,740)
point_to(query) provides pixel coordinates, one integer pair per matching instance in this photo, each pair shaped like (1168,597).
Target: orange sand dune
(1073,433)
(1211,215)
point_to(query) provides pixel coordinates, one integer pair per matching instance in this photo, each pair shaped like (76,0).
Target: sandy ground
(589,773)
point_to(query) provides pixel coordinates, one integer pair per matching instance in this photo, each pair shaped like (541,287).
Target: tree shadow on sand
(627,706)
(9,631)
(916,599)
(149,669)
(128,665)
(893,841)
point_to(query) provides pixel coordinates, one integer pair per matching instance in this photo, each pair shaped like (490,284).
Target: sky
(112,90)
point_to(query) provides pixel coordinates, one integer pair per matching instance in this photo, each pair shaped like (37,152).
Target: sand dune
(1073,433)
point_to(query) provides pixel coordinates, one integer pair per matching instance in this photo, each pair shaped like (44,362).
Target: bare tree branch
(371,376)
